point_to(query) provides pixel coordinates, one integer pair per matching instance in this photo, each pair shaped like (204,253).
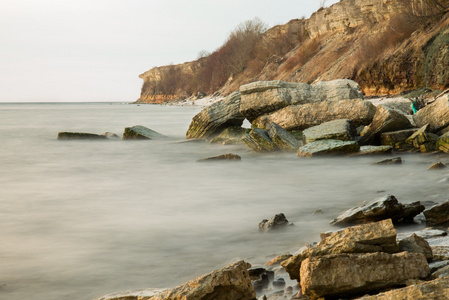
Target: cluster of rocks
(323,118)
(137,132)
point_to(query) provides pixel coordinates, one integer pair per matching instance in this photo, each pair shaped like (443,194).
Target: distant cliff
(386,46)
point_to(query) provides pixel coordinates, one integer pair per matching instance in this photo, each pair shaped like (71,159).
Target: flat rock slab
(394,137)
(328,147)
(228,156)
(390,161)
(343,130)
(437,214)
(387,207)
(139,132)
(300,117)
(139,294)
(348,274)
(373,150)
(367,238)
(80,136)
(437,289)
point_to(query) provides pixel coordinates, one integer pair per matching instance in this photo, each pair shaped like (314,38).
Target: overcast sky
(94,50)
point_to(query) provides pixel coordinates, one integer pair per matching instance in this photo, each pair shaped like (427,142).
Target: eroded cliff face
(386,46)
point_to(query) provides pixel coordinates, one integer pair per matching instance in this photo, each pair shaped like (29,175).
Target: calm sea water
(80,219)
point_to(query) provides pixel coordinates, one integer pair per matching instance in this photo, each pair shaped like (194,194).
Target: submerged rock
(343,130)
(373,150)
(111,135)
(139,132)
(277,222)
(80,136)
(230,136)
(326,147)
(366,238)
(213,119)
(390,161)
(387,207)
(228,156)
(349,274)
(385,120)
(438,214)
(437,166)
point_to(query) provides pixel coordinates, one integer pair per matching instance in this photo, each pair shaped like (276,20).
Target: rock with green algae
(328,147)
(342,129)
(80,136)
(394,137)
(258,140)
(272,138)
(139,132)
(423,140)
(284,140)
(442,143)
(230,136)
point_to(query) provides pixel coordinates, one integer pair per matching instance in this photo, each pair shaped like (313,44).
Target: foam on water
(80,219)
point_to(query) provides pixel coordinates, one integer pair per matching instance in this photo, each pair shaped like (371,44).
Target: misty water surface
(80,219)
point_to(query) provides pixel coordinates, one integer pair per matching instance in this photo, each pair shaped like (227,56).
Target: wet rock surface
(230,136)
(343,130)
(387,207)
(228,156)
(326,147)
(438,214)
(277,222)
(139,132)
(80,136)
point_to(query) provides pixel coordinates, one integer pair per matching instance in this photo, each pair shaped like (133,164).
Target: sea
(81,219)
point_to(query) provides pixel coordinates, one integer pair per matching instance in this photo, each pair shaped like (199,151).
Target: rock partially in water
(277,260)
(283,140)
(387,207)
(343,130)
(80,136)
(438,214)
(416,244)
(394,138)
(258,140)
(423,139)
(426,233)
(230,136)
(139,132)
(230,282)
(279,221)
(437,289)
(349,274)
(391,161)
(227,156)
(437,166)
(367,238)
(134,295)
(111,135)
(435,114)
(443,143)
(212,120)
(328,147)
(385,120)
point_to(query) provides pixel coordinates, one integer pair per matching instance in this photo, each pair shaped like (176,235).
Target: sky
(94,50)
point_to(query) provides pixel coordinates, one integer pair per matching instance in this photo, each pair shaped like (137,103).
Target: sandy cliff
(386,46)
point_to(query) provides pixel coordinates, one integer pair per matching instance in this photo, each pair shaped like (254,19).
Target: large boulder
(230,282)
(387,207)
(213,119)
(396,139)
(437,289)
(367,238)
(435,114)
(348,274)
(423,140)
(263,97)
(437,214)
(386,119)
(343,130)
(139,132)
(328,147)
(80,136)
(300,117)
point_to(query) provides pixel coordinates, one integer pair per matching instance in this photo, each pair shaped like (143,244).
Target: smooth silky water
(80,219)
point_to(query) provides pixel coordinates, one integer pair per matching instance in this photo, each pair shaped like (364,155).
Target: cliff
(388,47)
